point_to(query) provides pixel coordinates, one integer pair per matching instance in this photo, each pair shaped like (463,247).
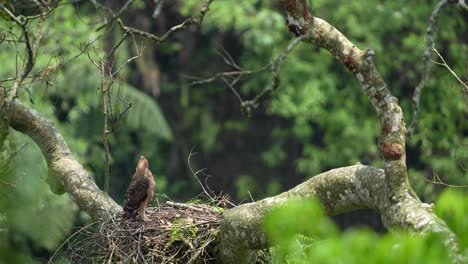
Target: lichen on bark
(387,191)
(66,174)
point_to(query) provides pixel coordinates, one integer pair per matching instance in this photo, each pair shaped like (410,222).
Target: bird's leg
(144,217)
(142,214)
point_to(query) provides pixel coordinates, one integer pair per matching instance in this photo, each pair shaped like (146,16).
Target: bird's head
(142,164)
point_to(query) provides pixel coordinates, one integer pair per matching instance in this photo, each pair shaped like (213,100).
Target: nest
(176,233)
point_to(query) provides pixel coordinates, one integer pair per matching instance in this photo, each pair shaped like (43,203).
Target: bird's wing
(137,192)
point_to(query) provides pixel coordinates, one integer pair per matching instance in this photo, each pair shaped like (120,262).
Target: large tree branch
(339,190)
(387,191)
(66,174)
(393,130)
(360,63)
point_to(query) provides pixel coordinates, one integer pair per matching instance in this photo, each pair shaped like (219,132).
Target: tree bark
(66,174)
(339,190)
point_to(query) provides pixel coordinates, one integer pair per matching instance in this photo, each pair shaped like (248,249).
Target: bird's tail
(129,212)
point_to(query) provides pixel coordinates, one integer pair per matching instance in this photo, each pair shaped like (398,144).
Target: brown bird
(140,192)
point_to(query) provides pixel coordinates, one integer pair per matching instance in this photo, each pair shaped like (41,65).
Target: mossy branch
(66,174)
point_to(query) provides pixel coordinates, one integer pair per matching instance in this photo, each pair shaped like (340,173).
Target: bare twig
(250,195)
(105,92)
(431,24)
(239,73)
(189,21)
(436,180)
(234,91)
(444,63)
(220,75)
(229,60)
(45,9)
(195,174)
(139,54)
(30,50)
(247,106)
(115,16)
(20,20)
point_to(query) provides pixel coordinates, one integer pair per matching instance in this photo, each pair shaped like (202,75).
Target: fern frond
(144,114)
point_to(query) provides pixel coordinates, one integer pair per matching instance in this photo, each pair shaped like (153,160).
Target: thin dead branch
(130,31)
(195,174)
(230,78)
(444,63)
(438,181)
(114,16)
(428,48)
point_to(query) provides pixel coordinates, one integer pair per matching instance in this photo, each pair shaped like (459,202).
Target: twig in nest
(195,174)
(177,233)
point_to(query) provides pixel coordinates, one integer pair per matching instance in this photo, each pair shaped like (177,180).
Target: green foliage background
(316,239)
(317,120)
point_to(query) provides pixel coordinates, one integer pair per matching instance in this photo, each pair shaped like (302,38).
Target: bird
(139,192)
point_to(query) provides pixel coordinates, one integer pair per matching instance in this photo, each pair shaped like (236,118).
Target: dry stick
(104,92)
(275,80)
(20,20)
(43,14)
(125,63)
(234,91)
(140,254)
(111,254)
(31,49)
(83,49)
(196,177)
(444,63)
(187,206)
(26,68)
(106,102)
(229,60)
(436,180)
(247,105)
(425,73)
(251,198)
(228,74)
(116,16)
(189,21)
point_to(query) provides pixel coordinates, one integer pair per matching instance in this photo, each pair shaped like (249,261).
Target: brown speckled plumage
(140,192)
